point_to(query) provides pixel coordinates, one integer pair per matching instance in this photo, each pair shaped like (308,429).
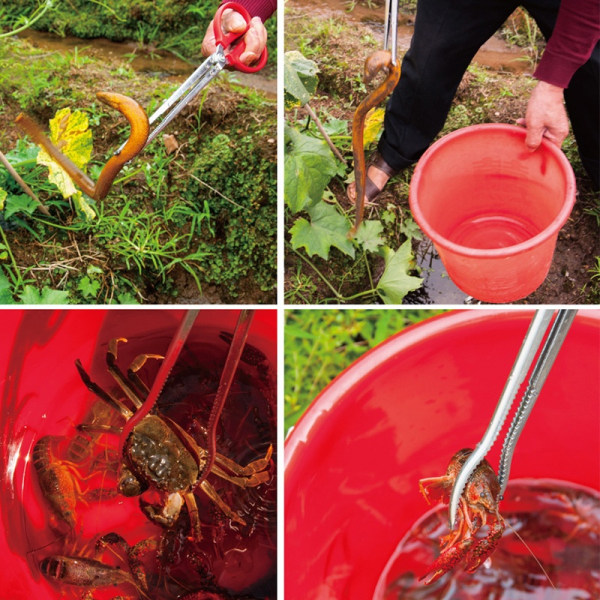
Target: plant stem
(360,294)
(323,278)
(13,262)
(37,14)
(22,184)
(315,118)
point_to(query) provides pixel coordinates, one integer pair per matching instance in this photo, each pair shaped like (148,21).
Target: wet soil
(497,91)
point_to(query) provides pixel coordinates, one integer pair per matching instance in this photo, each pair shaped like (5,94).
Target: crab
(478,507)
(160,455)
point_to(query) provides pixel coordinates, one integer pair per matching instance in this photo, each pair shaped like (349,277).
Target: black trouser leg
(447,35)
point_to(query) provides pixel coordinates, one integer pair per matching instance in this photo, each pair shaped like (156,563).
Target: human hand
(546,116)
(232,22)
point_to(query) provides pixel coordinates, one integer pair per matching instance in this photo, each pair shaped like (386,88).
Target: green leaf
(410,229)
(336,126)
(395,282)
(299,79)
(368,235)
(5,290)
(327,228)
(309,166)
(89,288)
(19,204)
(127,298)
(70,134)
(3,194)
(31,295)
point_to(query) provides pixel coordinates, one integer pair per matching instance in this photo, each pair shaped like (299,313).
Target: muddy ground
(496,89)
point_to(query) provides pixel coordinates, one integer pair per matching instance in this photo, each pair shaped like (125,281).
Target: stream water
(495,53)
(160,63)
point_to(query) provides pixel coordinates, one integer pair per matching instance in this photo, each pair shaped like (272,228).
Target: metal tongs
(175,347)
(207,71)
(390,29)
(529,349)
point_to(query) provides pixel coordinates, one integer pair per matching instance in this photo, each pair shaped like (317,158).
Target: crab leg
(190,502)
(102,394)
(210,491)
(138,362)
(113,369)
(251,475)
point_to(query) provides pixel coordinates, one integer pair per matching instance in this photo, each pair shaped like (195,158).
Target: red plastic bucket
(492,208)
(42,394)
(396,415)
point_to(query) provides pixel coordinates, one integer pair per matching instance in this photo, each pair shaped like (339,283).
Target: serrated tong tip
(528,351)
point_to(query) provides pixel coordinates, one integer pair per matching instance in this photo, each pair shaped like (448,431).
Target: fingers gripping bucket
(492,208)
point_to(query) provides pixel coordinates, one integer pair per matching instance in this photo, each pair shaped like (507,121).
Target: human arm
(575,35)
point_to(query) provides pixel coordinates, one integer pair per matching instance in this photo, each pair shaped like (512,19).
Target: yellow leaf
(70,134)
(3,194)
(373,125)
(82,205)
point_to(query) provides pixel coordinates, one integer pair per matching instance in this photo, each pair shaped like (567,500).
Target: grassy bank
(193,220)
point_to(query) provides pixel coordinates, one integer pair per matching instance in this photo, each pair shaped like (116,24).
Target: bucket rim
(549,231)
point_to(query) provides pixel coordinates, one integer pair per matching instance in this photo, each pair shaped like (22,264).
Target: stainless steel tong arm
(529,348)
(390,29)
(185,93)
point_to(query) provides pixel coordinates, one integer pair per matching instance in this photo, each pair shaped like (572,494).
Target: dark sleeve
(259,8)
(575,34)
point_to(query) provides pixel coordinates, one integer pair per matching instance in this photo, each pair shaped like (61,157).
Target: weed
(320,344)
(521,30)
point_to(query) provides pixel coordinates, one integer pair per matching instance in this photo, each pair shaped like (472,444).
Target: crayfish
(478,507)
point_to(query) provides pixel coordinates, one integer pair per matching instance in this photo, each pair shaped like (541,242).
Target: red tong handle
(227,39)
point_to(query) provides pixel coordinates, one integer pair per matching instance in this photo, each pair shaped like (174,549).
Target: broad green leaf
(373,125)
(89,288)
(309,166)
(5,290)
(299,79)
(327,227)
(24,151)
(395,282)
(336,126)
(21,203)
(369,235)
(127,298)
(3,194)
(410,229)
(30,295)
(70,134)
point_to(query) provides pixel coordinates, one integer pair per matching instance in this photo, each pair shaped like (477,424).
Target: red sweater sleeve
(259,8)
(575,34)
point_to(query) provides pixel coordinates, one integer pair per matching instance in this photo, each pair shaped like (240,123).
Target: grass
(177,26)
(320,344)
